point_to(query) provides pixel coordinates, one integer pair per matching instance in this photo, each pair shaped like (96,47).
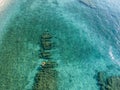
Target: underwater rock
(109,83)
(100,78)
(45,55)
(47,45)
(102,88)
(45,41)
(46,35)
(114,83)
(49,64)
(46,79)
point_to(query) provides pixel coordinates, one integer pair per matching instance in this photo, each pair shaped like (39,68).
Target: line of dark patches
(46,78)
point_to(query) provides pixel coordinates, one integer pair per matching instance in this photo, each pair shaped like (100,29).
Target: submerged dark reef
(47,76)
(79,42)
(108,83)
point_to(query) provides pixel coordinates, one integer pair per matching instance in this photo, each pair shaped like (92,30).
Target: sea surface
(86,35)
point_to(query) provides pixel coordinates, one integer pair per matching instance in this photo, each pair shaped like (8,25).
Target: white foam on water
(114,60)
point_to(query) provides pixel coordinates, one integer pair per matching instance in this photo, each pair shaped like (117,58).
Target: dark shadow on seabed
(20,47)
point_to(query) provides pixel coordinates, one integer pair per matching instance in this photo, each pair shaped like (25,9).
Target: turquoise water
(86,38)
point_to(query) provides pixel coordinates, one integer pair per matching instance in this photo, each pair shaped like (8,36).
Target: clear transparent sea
(86,36)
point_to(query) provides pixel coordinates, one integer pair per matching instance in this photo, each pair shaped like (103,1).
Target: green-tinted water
(78,50)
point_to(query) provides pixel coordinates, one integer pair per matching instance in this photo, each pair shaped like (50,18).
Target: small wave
(87,3)
(113,57)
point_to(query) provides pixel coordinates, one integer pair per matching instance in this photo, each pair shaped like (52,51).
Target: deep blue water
(86,36)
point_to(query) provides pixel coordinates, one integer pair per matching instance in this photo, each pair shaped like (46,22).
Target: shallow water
(86,42)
